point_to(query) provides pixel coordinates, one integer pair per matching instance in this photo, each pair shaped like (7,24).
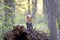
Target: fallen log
(20,33)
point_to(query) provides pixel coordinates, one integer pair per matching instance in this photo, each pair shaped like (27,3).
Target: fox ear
(27,17)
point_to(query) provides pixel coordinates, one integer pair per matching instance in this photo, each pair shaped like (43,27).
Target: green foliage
(18,16)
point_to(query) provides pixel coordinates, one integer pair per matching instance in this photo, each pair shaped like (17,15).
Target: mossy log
(20,33)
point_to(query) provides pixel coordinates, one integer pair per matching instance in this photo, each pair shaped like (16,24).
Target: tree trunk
(34,9)
(51,14)
(29,7)
(58,17)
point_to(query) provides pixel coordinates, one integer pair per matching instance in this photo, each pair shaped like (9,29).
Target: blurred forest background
(46,15)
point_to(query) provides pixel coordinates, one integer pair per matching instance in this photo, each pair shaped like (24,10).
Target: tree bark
(29,7)
(58,17)
(51,14)
(34,9)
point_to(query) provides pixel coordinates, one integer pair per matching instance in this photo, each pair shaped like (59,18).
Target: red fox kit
(29,22)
